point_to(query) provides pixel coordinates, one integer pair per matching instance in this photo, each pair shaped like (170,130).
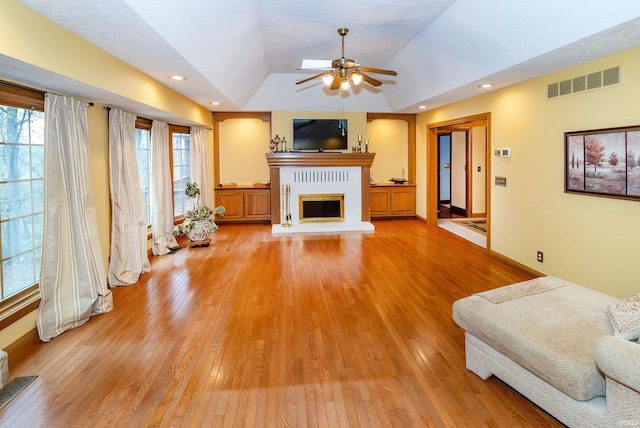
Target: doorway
(453,148)
(461,189)
(444,175)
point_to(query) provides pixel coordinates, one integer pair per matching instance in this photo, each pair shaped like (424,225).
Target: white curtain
(161,190)
(73,285)
(199,157)
(128,218)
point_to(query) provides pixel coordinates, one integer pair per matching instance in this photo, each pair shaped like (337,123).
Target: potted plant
(199,222)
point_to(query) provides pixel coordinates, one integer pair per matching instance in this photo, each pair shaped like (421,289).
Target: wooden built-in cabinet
(393,200)
(244,203)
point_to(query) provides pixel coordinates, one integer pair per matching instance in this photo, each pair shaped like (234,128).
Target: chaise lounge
(552,341)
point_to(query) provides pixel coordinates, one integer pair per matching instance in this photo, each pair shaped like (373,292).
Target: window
(180,144)
(21,189)
(143,153)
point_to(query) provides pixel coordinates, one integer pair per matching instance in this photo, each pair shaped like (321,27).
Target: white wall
(458,173)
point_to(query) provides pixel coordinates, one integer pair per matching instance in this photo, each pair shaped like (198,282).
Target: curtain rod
(174,124)
(41,91)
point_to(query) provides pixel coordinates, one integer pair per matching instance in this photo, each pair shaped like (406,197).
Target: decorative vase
(200,231)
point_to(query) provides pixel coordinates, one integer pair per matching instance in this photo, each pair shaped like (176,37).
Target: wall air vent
(611,76)
(580,84)
(596,80)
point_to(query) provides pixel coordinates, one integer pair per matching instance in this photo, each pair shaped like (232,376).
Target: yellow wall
(478,178)
(589,240)
(388,140)
(282,123)
(243,144)
(28,37)
(99,159)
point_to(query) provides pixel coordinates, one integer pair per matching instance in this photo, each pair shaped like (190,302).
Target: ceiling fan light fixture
(343,71)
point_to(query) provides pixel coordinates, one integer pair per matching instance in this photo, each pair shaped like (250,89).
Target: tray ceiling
(245,54)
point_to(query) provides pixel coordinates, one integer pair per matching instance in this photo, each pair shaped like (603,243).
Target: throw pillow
(625,318)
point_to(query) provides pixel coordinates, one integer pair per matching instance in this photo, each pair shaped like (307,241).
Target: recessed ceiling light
(485,85)
(176,77)
(422,107)
(215,103)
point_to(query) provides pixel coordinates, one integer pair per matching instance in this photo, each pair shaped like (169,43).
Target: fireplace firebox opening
(320,208)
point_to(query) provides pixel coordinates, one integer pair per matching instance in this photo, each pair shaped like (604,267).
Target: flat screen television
(320,134)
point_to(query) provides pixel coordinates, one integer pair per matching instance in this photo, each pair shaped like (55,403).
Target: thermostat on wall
(505,153)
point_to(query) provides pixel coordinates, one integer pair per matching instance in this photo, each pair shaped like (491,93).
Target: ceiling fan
(343,70)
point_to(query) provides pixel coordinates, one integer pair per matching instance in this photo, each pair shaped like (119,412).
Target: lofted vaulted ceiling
(245,54)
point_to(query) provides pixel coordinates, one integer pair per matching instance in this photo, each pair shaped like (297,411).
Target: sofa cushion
(625,317)
(552,334)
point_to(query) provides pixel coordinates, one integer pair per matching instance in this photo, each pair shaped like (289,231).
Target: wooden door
(258,204)
(380,202)
(403,201)
(232,201)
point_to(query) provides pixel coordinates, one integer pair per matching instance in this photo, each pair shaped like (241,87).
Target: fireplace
(320,174)
(319,208)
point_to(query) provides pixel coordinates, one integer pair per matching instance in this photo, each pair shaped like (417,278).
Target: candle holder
(276,142)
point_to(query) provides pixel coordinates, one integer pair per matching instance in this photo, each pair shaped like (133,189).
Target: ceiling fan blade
(370,80)
(312,77)
(315,63)
(379,71)
(336,82)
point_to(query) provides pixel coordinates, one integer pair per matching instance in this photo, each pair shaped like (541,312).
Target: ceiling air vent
(598,79)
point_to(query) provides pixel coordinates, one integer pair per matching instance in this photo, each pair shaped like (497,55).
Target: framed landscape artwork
(603,162)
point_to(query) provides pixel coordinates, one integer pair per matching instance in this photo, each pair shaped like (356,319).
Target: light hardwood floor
(350,329)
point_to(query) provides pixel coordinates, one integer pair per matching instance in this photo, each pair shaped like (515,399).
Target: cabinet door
(404,201)
(258,204)
(380,203)
(232,201)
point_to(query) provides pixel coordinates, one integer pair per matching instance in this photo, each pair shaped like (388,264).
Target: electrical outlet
(540,257)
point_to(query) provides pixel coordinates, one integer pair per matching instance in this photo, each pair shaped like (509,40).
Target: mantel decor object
(278,145)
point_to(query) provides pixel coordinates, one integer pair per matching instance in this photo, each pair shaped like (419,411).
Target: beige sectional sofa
(551,340)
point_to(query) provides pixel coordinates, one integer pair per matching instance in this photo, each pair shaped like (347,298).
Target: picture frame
(603,162)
